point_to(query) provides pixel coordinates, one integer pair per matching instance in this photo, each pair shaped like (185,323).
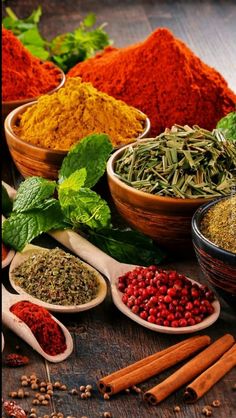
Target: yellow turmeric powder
(59,120)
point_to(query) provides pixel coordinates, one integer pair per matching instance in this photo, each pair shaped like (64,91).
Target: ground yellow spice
(59,120)
(219,224)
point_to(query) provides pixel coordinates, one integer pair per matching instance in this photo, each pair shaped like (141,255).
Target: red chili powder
(5,251)
(163,78)
(23,75)
(47,332)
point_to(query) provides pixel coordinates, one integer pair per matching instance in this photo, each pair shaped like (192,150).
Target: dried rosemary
(219,224)
(56,277)
(182,162)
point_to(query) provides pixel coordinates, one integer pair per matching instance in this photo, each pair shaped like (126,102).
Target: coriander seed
(24,377)
(106,396)
(50,392)
(42,389)
(107,415)
(89,387)
(34,386)
(82,388)
(45,402)
(24,383)
(47,396)
(176,408)
(216,403)
(83,395)
(63,387)
(57,385)
(33,410)
(35,402)
(41,398)
(74,391)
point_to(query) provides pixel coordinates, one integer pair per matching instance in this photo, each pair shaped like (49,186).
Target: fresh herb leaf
(74,182)
(85,207)
(228,126)
(32,192)
(38,52)
(91,153)
(127,246)
(89,20)
(22,228)
(6,202)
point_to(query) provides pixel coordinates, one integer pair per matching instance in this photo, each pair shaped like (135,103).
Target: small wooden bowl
(7,107)
(167,220)
(32,160)
(217,264)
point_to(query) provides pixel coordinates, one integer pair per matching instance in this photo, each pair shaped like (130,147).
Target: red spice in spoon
(165,297)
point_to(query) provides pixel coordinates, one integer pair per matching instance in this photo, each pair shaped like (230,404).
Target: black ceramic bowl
(217,264)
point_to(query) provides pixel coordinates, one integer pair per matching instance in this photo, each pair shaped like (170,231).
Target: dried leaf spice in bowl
(182,162)
(60,120)
(158,183)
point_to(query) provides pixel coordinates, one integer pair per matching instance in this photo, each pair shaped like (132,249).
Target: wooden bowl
(32,160)
(7,107)
(217,264)
(165,219)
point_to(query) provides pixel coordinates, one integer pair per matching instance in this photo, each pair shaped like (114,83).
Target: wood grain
(106,340)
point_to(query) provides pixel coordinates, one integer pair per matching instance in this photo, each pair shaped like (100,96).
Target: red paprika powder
(162,77)
(23,75)
(47,332)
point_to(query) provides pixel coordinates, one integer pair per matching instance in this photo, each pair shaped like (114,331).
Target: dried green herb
(219,224)
(56,277)
(182,162)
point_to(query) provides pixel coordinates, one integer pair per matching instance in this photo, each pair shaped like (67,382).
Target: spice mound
(57,277)
(182,162)
(59,120)
(23,75)
(219,224)
(46,331)
(165,298)
(162,77)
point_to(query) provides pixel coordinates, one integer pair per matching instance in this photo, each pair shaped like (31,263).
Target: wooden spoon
(23,331)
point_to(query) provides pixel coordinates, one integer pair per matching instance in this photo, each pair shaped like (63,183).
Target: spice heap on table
(61,119)
(162,77)
(23,75)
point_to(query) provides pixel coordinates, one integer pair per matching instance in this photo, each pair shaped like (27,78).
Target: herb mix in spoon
(182,162)
(56,277)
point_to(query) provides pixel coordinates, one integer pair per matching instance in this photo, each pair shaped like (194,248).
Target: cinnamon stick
(190,370)
(206,380)
(148,367)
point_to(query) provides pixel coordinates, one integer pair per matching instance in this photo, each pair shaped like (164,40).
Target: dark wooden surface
(105,339)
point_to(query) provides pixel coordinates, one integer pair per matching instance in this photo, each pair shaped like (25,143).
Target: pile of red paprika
(47,332)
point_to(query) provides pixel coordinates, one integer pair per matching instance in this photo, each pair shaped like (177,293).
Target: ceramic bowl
(165,219)
(8,106)
(217,264)
(32,160)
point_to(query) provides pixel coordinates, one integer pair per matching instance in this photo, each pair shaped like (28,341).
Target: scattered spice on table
(16,360)
(165,298)
(4,251)
(13,410)
(59,120)
(57,277)
(219,224)
(47,332)
(181,162)
(23,75)
(162,77)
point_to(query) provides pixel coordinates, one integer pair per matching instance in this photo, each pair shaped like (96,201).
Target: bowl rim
(8,125)
(141,194)
(30,99)
(195,224)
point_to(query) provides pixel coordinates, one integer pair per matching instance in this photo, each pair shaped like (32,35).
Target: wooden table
(105,339)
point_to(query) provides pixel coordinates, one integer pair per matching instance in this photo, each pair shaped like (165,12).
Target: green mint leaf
(35,16)
(32,192)
(32,37)
(74,182)
(127,246)
(228,126)
(22,228)
(85,207)
(89,20)
(6,202)
(91,153)
(38,52)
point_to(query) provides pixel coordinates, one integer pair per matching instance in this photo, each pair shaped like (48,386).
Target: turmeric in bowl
(59,120)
